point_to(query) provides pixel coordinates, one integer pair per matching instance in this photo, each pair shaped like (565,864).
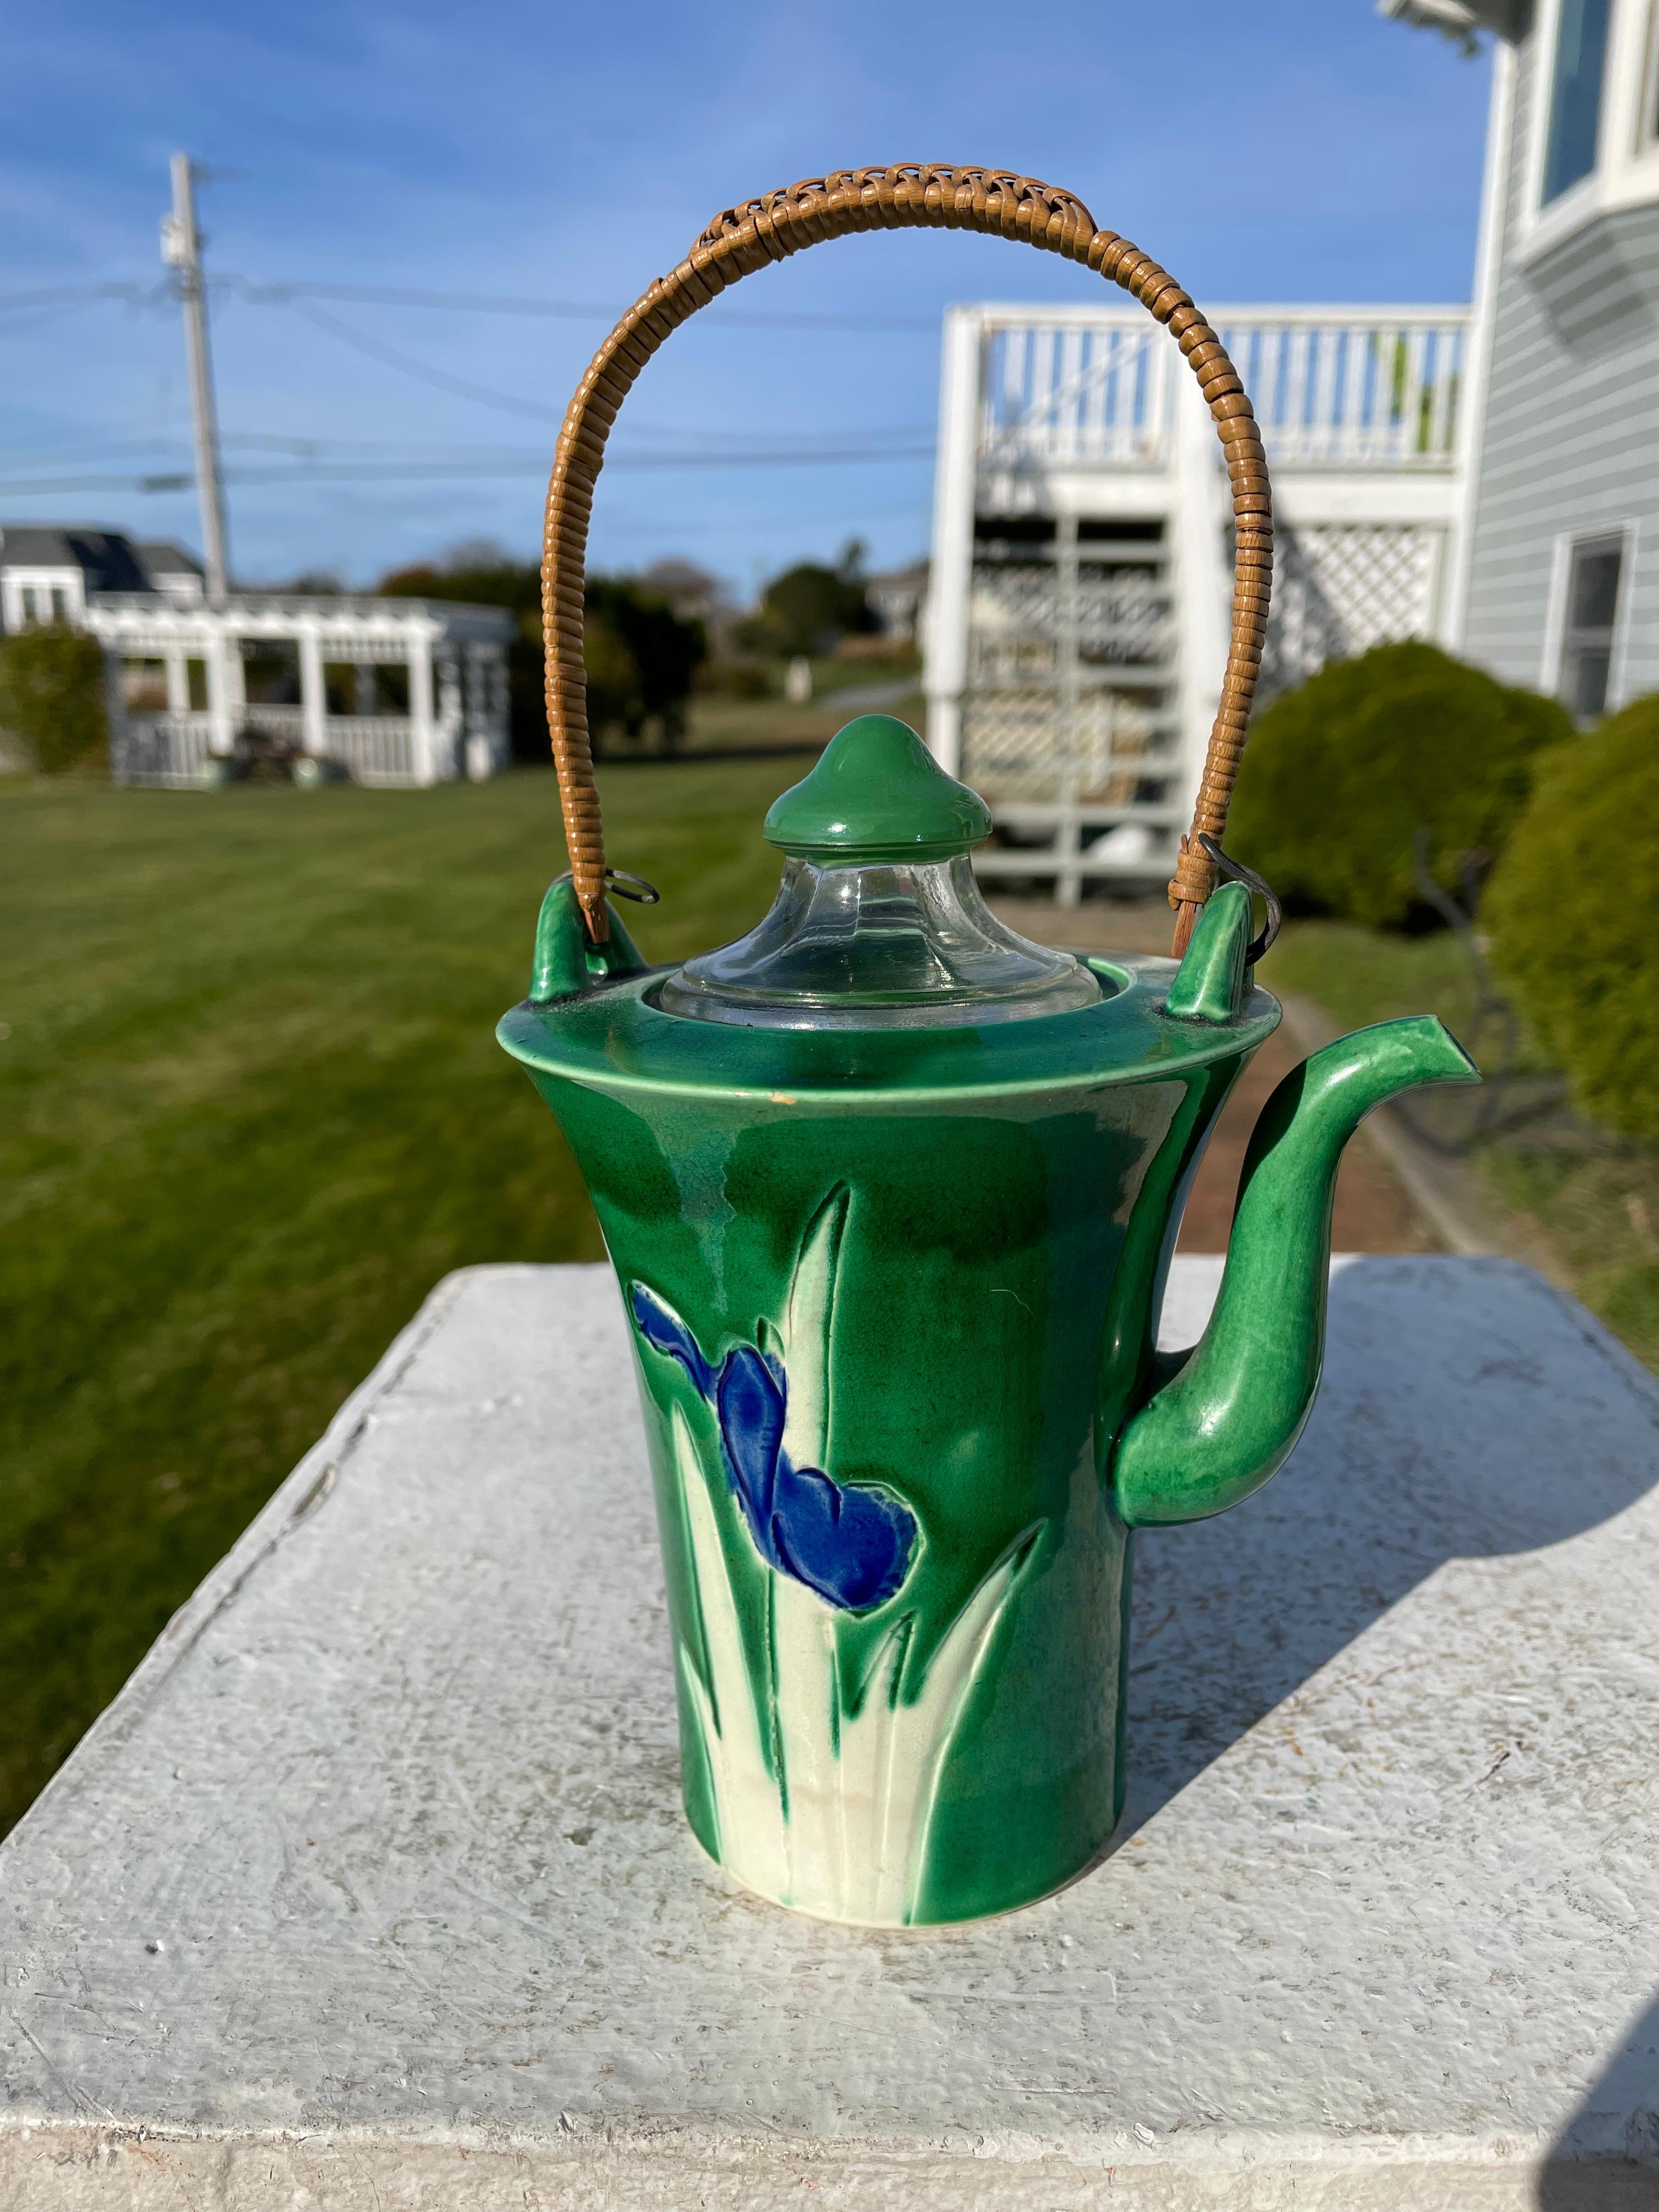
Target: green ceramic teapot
(892,1193)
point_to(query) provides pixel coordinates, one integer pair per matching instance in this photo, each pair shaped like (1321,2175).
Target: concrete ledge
(371,1890)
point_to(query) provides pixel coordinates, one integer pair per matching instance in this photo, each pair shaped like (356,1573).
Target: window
(30,603)
(1592,610)
(1574,114)
(59,604)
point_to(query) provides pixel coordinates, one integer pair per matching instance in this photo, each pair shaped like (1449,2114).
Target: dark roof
(108,561)
(160,556)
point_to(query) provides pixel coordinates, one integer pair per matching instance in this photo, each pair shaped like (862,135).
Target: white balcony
(1078,621)
(1358,388)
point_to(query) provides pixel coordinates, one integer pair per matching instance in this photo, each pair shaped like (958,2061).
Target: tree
(52,695)
(640,655)
(666,652)
(809,608)
(480,574)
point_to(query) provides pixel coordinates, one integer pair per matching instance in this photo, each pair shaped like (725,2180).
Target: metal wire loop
(642,894)
(617,880)
(1234,872)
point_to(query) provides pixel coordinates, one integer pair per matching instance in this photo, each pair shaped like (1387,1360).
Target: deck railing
(373,749)
(174,750)
(1358,388)
(170,750)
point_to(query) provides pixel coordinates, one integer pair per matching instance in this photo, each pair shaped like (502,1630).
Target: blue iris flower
(850,1543)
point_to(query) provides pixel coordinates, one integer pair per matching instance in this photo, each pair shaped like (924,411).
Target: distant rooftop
(109,560)
(160,556)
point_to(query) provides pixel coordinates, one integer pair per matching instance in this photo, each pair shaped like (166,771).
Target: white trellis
(1341,588)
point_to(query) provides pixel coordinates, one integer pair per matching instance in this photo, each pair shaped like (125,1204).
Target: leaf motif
(809,1327)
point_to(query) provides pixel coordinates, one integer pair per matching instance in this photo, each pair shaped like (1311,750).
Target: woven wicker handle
(746,238)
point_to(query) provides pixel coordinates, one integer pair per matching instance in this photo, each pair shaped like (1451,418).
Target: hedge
(1573,909)
(1340,774)
(51,696)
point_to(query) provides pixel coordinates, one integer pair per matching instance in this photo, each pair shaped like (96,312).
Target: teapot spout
(1231,1410)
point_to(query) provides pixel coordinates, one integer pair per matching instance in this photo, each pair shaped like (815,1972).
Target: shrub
(51,696)
(616,696)
(1574,912)
(809,608)
(640,655)
(667,652)
(1340,774)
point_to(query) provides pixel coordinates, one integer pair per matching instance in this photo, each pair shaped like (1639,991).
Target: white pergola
(455,657)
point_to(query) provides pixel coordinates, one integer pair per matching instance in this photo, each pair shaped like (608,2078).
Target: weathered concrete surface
(372,1889)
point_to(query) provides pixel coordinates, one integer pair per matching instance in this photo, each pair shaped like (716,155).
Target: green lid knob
(876,794)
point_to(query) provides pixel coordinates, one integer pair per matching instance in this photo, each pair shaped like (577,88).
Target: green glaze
(564,961)
(1231,1410)
(1209,986)
(946,1249)
(877,794)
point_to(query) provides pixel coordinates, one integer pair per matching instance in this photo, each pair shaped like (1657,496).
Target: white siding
(1572,441)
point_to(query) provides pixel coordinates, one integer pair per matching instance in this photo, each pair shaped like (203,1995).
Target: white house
(177,688)
(1487,478)
(49,572)
(1558,579)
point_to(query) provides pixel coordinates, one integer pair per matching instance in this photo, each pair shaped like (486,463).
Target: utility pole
(181,250)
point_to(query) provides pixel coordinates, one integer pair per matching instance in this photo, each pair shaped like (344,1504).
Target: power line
(139,295)
(438,472)
(424,372)
(490,303)
(476,303)
(393,357)
(20,325)
(781,446)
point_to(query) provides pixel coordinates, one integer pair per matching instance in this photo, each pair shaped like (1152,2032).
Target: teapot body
(894,1295)
(883,1346)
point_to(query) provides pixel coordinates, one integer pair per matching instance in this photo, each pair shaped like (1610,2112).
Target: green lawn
(252,1110)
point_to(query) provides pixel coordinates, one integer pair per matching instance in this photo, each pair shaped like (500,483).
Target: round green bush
(1340,774)
(51,696)
(1573,909)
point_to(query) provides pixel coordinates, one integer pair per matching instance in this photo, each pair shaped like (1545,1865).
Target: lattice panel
(1342,588)
(1017,617)
(1020,743)
(1014,747)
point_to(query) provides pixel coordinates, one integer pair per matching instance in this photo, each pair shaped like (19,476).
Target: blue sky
(1302,150)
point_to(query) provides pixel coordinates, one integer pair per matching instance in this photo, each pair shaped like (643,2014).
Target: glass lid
(879,921)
